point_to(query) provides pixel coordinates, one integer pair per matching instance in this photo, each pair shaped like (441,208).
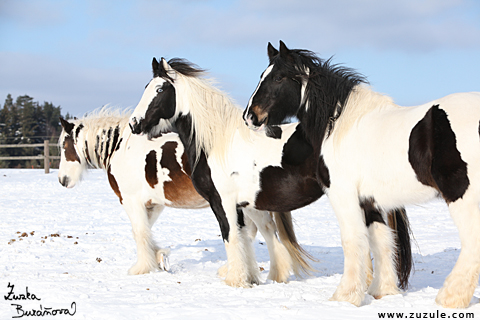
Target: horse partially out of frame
(149,174)
(372,151)
(236,167)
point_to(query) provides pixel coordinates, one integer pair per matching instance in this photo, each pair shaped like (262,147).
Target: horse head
(158,101)
(71,165)
(280,92)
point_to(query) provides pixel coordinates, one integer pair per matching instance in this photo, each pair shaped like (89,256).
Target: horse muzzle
(64,180)
(252,122)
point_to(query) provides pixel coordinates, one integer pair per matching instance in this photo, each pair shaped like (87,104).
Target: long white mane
(105,117)
(215,117)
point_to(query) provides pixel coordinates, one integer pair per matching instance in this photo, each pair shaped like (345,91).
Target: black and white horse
(372,151)
(146,175)
(236,167)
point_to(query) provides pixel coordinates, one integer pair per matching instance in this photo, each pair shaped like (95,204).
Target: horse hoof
(164,263)
(278,278)
(255,281)
(379,292)
(222,271)
(448,300)
(354,298)
(140,269)
(238,283)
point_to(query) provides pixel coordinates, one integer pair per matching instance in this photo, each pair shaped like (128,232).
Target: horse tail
(398,221)
(299,255)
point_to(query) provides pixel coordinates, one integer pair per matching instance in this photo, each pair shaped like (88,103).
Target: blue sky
(82,55)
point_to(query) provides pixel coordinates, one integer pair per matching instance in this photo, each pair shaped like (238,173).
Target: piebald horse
(147,175)
(373,152)
(236,167)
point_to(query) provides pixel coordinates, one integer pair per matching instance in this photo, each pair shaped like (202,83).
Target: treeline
(25,121)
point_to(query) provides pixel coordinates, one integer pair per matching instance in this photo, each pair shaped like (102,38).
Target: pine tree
(25,122)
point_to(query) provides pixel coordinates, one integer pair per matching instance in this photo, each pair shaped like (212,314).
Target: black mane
(328,88)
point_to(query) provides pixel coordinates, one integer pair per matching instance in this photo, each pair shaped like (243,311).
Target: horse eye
(278,78)
(159,90)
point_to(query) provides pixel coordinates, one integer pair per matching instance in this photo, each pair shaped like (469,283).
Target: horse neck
(361,101)
(214,118)
(326,95)
(100,140)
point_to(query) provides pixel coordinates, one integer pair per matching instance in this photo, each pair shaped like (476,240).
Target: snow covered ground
(72,249)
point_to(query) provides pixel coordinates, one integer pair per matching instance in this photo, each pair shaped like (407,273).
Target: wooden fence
(46,153)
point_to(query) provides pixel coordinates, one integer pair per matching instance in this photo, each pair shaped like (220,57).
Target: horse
(147,175)
(236,167)
(371,150)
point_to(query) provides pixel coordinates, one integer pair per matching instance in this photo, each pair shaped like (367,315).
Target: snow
(77,247)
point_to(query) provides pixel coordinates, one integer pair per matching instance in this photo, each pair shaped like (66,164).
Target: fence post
(46,154)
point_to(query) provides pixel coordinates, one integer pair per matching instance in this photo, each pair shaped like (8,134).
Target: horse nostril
(63,181)
(249,119)
(264,120)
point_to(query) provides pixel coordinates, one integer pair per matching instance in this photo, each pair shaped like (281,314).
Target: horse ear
(272,52)
(155,65)
(169,70)
(67,126)
(284,51)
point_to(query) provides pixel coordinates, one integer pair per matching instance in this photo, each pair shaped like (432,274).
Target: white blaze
(265,74)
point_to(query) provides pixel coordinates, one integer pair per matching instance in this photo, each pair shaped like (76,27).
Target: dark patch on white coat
(434,156)
(114,185)
(179,190)
(294,184)
(151,168)
(69,149)
(371,212)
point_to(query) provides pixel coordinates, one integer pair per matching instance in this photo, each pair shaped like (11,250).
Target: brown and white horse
(147,175)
